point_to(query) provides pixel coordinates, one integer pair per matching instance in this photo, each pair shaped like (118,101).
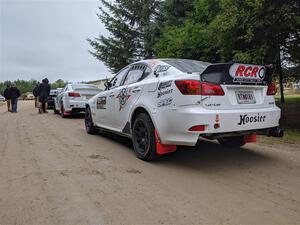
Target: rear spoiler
(236,73)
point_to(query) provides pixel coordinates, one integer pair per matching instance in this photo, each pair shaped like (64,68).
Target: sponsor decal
(161,68)
(123,96)
(152,63)
(244,119)
(101,102)
(164,88)
(244,73)
(165,102)
(165,92)
(164,85)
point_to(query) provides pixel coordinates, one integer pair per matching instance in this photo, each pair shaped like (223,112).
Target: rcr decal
(244,119)
(101,102)
(123,96)
(165,102)
(247,73)
(164,88)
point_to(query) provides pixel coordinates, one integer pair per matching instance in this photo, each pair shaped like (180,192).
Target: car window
(187,65)
(137,73)
(83,86)
(117,80)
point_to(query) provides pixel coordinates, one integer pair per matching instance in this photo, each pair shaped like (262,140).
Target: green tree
(249,31)
(188,34)
(130,24)
(261,31)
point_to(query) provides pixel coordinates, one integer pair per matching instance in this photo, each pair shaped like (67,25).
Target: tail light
(272,89)
(74,94)
(195,87)
(211,89)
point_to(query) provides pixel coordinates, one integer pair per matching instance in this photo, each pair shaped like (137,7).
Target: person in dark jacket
(7,97)
(43,93)
(35,94)
(14,94)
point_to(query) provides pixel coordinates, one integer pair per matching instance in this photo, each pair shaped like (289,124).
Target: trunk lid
(86,93)
(244,85)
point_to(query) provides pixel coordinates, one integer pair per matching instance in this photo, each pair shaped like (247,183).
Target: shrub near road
(290,121)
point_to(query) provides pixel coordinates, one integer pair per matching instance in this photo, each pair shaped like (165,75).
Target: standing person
(7,97)
(43,93)
(14,94)
(35,94)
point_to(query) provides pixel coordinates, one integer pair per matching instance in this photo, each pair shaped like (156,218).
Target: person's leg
(13,106)
(8,105)
(40,105)
(16,105)
(46,106)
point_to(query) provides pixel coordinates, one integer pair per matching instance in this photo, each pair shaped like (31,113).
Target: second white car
(73,98)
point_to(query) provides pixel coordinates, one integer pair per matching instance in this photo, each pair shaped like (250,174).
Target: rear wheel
(232,142)
(143,138)
(62,111)
(88,121)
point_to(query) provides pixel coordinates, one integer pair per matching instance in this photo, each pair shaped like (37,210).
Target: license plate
(245,97)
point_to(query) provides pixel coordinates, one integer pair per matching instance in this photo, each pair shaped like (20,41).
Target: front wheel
(232,142)
(88,121)
(143,138)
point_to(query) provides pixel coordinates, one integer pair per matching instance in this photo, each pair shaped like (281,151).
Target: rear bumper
(173,127)
(75,106)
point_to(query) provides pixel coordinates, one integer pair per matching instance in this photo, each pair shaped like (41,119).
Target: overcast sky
(47,38)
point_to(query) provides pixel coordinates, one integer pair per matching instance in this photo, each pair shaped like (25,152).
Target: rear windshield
(187,65)
(84,86)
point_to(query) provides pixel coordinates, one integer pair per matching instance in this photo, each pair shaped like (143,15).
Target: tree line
(265,32)
(28,85)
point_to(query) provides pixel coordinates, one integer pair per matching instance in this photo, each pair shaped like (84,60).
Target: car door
(128,93)
(105,105)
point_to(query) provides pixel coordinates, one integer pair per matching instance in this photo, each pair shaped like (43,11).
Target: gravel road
(52,172)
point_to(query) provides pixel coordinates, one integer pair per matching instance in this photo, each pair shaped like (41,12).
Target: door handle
(111,95)
(136,90)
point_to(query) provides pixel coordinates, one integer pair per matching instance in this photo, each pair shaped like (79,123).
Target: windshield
(187,65)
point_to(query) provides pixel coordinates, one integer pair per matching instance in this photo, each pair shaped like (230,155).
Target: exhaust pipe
(276,132)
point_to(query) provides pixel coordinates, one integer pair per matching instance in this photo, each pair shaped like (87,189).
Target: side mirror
(107,85)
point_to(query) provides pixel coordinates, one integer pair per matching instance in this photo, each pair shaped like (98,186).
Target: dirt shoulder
(52,172)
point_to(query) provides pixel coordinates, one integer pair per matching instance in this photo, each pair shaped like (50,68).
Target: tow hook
(276,132)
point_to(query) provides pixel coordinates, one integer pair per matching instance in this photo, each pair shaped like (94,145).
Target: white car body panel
(173,113)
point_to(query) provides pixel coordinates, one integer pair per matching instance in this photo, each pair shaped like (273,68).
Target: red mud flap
(250,138)
(162,149)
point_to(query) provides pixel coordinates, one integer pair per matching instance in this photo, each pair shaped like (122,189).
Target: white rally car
(73,98)
(164,103)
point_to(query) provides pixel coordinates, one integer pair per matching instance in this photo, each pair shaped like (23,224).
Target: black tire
(88,121)
(143,138)
(62,111)
(232,142)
